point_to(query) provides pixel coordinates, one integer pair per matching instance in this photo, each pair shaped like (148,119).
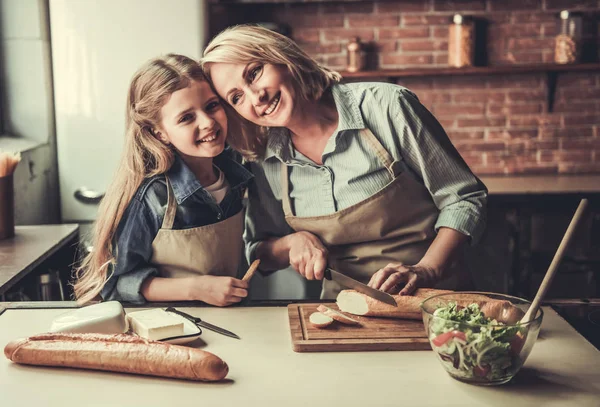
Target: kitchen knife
(203,324)
(331,274)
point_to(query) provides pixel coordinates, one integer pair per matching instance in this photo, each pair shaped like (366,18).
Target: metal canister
(50,287)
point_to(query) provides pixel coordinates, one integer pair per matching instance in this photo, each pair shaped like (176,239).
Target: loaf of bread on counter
(117,353)
(409,306)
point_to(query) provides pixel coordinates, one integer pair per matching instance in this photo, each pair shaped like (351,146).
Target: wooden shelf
(278,1)
(550,70)
(475,70)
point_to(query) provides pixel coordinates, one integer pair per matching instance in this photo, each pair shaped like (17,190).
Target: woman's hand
(393,275)
(307,255)
(427,272)
(218,290)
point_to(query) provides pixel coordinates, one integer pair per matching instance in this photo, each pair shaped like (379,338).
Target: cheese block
(155,324)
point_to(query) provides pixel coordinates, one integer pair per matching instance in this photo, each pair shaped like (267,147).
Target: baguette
(336,315)
(320,320)
(117,353)
(502,311)
(409,306)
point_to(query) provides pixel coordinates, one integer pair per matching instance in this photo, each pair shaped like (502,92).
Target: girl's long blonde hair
(143,156)
(244,44)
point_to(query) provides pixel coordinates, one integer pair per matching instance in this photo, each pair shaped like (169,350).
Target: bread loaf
(409,306)
(336,315)
(117,353)
(320,320)
(502,311)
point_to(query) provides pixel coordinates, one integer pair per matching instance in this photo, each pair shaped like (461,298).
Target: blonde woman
(170,226)
(360,177)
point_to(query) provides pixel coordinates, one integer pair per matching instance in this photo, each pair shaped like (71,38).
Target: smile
(273,105)
(210,138)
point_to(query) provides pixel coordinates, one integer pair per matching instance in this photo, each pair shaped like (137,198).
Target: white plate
(191,332)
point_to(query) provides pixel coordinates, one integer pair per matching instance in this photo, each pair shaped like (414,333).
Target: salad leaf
(486,350)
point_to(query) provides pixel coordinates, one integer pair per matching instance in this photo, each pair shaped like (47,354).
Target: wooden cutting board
(373,334)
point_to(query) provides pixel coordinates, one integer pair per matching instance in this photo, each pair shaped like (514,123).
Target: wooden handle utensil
(251,270)
(535,305)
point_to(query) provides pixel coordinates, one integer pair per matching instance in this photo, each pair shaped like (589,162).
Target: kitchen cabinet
(527,218)
(536,224)
(33,251)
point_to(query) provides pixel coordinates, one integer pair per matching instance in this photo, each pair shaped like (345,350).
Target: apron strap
(285,191)
(171,207)
(381,152)
(383,155)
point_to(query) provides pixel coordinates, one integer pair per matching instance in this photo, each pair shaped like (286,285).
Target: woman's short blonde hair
(244,44)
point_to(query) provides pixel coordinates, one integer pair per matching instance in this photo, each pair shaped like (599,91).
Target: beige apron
(206,250)
(394,225)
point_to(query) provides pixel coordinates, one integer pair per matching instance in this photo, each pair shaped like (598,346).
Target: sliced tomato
(481,371)
(446,336)
(516,344)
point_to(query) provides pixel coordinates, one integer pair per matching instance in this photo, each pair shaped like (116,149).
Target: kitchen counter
(563,369)
(542,184)
(30,246)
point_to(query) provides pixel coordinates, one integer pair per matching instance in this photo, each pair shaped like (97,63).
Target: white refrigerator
(97,45)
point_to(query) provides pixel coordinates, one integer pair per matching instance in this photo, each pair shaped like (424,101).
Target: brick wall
(499,123)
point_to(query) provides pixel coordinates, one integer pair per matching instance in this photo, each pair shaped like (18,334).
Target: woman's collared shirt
(352,173)
(144,216)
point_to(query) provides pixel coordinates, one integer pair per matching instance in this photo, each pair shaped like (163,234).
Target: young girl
(360,176)
(171,223)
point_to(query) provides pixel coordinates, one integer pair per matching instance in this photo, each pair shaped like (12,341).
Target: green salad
(489,351)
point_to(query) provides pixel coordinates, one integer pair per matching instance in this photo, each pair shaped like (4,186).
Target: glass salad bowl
(477,336)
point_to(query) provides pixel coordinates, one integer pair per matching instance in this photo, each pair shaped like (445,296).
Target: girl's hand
(390,277)
(307,255)
(218,290)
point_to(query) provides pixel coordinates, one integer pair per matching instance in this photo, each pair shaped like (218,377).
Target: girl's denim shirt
(144,216)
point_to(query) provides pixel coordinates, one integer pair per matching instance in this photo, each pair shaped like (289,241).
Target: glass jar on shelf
(461,41)
(356,55)
(568,42)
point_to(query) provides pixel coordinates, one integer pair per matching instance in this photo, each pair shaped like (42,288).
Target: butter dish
(191,332)
(158,324)
(105,318)
(155,324)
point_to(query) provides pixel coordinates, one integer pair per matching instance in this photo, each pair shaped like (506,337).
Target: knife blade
(331,274)
(203,324)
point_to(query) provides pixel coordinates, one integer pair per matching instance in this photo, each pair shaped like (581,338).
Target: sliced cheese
(155,324)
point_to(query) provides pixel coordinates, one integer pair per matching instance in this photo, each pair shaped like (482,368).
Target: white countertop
(563,369)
